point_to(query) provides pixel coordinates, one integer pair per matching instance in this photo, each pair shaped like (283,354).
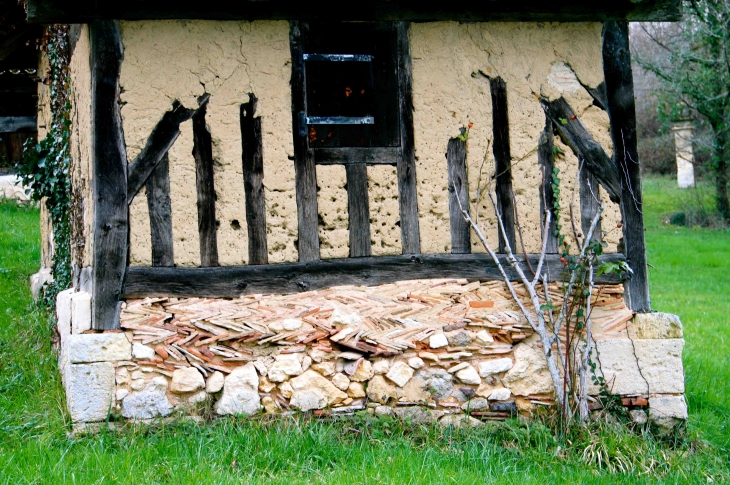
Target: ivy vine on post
(45,166)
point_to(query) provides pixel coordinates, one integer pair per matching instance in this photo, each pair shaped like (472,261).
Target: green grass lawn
(689,277)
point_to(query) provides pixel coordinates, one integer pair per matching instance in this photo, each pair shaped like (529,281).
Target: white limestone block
(142,352)
(495,366)
(150,402)
(240,392)
(98,347)
(187,379)
(89,391)
(80,312)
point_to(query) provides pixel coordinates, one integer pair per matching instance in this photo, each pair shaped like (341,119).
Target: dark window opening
(351,85)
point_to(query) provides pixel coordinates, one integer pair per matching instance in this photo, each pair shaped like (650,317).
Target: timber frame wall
(115,183)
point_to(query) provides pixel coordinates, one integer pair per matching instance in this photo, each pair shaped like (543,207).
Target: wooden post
(358,207)
(305,170)
(204,182)
(546,159)
(503,161)
(407,187)
(160,210)
(590,202)
(621,108)
(458,191)
(253,182)
(109,181)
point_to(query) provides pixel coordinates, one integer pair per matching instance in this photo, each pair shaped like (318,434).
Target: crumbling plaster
(180,60)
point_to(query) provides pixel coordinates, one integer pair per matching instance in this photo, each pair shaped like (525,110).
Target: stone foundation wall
(431,349)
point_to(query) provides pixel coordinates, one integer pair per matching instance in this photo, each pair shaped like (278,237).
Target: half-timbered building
(273,193)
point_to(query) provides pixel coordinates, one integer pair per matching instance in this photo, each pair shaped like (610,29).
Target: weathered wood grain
(358,207)
(458,191)
(621,108)
(160,210)
(546,159)
(82,11)
(159,142)
(407,187)
(252,156)
(503,161)
(589,203)
(589,152)
(233,281)
(204,183)
(369,155)
(109,181)
(305,170)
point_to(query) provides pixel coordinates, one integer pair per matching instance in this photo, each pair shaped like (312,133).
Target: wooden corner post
(621,108)
(109,180)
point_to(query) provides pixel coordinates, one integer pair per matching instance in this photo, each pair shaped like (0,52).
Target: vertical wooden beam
(407,187)
(160,209)
(621,108)
(159,142)
(358,207)
(503,161)
(590,202)
(253,182)
(203,153)
(546,159)
(109,181)
(304,167)
(458,191)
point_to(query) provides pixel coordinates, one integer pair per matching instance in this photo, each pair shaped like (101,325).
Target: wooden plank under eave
(160,211)
(621,108)
(109,181)
(458,192)
(252,156)
(83,11)
(282,278)
(204,183)
(503,162)
(406,166)
(305,170)
(546,160)
(358,208)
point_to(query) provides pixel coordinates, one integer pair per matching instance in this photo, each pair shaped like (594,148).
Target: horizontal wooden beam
(14,124)
(82,11)
(232,281)
(348,156)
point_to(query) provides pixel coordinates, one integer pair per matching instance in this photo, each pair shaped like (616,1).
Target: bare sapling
(564,327)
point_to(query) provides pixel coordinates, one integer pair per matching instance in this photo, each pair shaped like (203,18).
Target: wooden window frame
(355,159)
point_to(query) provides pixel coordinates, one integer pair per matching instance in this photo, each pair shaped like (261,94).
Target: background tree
(691,60)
